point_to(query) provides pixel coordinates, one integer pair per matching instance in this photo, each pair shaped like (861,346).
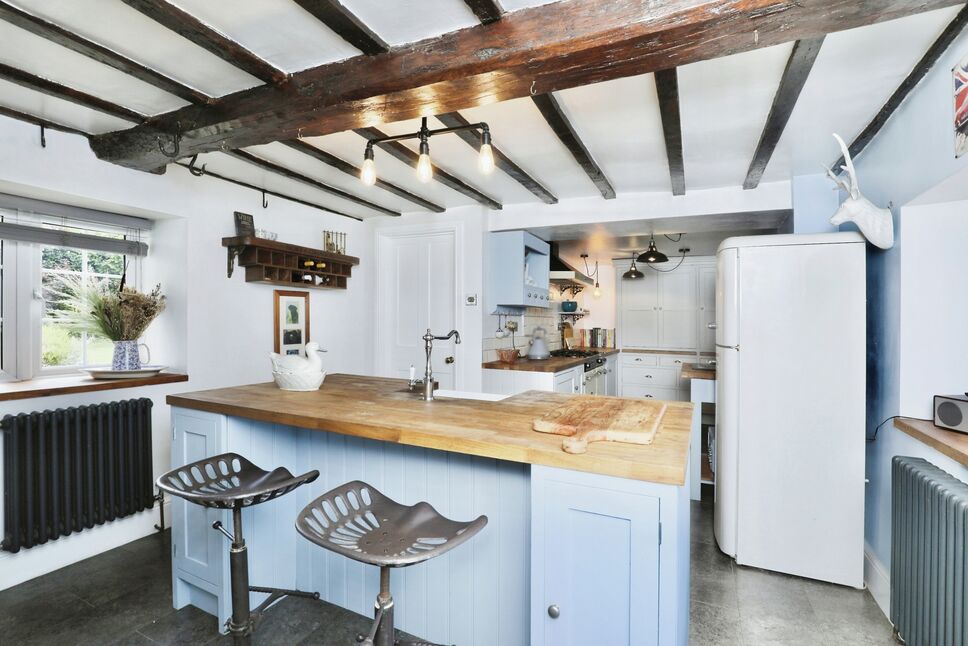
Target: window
(43,258)
(60,269)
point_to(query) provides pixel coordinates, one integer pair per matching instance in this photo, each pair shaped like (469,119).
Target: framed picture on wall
(291,313)
(961,107)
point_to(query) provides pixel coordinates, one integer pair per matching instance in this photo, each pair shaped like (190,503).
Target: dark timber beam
(502,161)
(551,111)
(342,21)
(487,11)
(400,151)
(50,88)
(794,77)
(952,31)
(266,191)
(187,26)
(272,167)
(348,168)
(40,27)
(667,88)
(39,121)
(532,51)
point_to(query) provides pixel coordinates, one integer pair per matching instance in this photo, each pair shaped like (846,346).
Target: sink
(461,394)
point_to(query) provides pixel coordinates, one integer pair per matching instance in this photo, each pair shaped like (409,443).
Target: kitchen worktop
(675,352)
(384,409)
(696,371)
(552,364)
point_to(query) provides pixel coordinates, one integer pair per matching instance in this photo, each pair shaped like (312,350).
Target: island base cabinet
(609,561)
(198,552)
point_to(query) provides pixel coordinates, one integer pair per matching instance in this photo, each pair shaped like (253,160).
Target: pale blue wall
(913,152)
(814,201)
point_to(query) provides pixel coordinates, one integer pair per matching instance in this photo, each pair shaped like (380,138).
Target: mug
(127,355)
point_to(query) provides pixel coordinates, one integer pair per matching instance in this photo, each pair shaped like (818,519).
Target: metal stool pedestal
(229,481)
(359,522)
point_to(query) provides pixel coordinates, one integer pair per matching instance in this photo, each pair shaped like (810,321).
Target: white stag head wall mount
(875,223)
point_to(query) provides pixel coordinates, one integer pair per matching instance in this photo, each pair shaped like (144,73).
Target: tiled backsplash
(533,317)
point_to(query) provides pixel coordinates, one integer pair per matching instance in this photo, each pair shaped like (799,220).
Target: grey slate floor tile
(123,597)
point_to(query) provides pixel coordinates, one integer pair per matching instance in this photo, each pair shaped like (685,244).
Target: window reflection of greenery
(61,347)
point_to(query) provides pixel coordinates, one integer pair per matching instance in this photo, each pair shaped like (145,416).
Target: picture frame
(960,88)
(244,224)
(290,321)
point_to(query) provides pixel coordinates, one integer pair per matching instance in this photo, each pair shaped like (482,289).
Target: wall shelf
(279,263)
(574,315)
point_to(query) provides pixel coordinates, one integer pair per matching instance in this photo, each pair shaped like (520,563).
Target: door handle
(449,360)
(711,326)
(553,611)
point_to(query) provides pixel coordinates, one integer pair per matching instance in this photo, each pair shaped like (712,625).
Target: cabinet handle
(678,360)
(553,611)
(648,376)
(647,396)
(710,326)
(638,358)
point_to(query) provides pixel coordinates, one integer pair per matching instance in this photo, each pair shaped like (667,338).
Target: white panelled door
(418,284)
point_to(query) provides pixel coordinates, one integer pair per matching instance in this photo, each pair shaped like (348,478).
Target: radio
(951,412)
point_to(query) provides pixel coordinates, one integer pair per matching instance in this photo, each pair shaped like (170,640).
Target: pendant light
(425,169)
(592,274)
(633,273)
(652,255)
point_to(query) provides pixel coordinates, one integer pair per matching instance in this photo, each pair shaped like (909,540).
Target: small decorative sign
(244,224)
(961,107)
(291,322)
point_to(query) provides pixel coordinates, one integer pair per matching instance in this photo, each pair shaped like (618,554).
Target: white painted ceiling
(724,102)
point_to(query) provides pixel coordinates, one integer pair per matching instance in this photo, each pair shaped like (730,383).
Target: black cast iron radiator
(70,469)
(929,570)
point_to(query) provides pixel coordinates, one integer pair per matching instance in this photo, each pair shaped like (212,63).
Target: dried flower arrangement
(119,314)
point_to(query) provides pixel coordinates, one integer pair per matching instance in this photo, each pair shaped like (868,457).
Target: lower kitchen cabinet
(512,382)
(600,556)
(198,552)
(569,381)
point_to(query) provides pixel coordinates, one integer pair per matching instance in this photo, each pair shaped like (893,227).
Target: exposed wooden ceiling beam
(39,121)
(267,191)
(555,116)
(502,161)
(273,167)
(187,26)
(951,32)
(487,11)
(56,34)
(348,168)
(400,151)
(342,21)
(531,51)
(794,77)
(50,88)
(667,88)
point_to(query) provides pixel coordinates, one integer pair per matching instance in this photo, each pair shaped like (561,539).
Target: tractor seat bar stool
(229,481)
(359,522)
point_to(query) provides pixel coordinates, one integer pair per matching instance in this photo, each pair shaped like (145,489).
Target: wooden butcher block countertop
(383,409)
(552,364)
(696,371)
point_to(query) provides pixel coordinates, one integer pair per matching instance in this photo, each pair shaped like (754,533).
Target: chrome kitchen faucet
(428,380)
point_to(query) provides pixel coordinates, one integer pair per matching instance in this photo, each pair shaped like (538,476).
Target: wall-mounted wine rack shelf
(278,263)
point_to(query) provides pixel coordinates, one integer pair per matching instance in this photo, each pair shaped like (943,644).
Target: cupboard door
(707,308)
(196,549)
(640,328)
(567,382)
(598,563)
(678,308)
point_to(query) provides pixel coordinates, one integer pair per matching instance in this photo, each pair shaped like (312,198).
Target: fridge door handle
(728,347)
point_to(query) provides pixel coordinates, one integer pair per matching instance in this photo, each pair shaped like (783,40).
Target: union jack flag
(961,107)
(961,94)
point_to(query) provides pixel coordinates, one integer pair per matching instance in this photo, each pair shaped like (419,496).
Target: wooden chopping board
(588,418)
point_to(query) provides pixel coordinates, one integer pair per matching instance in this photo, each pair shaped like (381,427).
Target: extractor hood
(564,276)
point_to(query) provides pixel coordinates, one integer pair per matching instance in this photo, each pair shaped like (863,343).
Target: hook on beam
(170,153)
(265,202)
(197,171)
(43,136)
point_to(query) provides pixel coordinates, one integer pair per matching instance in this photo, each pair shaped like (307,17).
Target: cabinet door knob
(449,360)
(553,611)
(711,326)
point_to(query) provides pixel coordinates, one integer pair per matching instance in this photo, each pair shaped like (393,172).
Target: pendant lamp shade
(652,255)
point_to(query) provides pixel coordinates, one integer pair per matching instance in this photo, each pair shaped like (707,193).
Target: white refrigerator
(790,404)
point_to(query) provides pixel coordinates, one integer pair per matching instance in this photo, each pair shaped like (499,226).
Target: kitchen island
(604,535)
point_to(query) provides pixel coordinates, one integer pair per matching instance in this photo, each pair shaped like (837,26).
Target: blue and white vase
(127,355)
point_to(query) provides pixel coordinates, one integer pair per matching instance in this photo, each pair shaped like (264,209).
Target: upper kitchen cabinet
(518,269)
(668,310)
